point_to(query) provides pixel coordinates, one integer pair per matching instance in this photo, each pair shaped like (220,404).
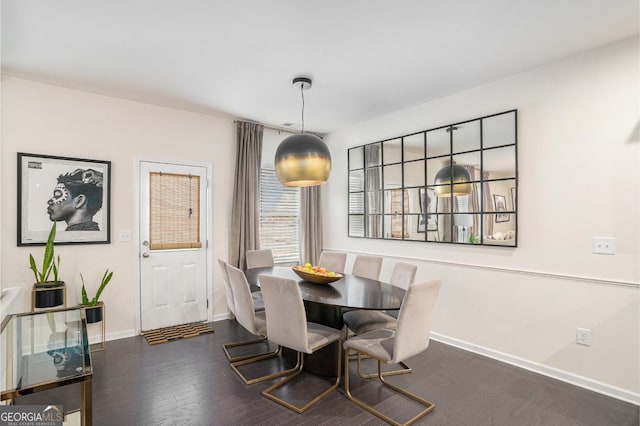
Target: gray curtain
(474,200)
(487,201)
(245,223)
(310,224)
(444,221)
(373,186)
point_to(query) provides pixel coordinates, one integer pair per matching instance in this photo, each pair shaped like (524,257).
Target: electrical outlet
(604,245)
(583,336)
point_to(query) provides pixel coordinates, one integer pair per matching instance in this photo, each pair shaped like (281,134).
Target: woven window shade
(174,221)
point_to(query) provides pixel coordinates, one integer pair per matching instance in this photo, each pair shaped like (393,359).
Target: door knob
(145,255)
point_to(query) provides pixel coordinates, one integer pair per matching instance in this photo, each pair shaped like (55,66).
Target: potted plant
(47,293)
(93,308)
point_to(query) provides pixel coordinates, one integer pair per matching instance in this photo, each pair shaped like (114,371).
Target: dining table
(325,304)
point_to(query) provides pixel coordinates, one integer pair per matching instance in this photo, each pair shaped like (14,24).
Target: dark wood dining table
(325,304)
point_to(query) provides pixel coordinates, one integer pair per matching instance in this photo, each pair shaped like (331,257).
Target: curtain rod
(278,129)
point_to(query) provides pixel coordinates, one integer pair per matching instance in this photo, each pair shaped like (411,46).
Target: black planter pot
(94,314)
(48,295)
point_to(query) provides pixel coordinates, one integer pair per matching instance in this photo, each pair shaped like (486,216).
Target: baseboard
(555,373)
(94,336)
(222,317)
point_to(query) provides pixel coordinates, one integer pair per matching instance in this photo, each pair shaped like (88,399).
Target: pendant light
(460,177)
(452,173)
(303,159)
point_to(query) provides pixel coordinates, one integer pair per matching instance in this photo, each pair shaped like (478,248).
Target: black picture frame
(500,206)
(427,210)
(46,181)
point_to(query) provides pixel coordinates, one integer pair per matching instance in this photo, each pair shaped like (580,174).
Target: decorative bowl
(315,278)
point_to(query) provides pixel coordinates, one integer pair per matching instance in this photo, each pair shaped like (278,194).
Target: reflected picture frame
(428,202)
(74,192)
(500,206)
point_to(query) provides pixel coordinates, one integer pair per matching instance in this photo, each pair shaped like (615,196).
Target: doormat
(182,331)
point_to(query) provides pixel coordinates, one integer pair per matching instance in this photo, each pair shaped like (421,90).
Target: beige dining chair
(253,322)
(256,295)
(360,321)
(333,261)
(410,338)
(367,267)
(258,306)
(227,287)
(288,327)
(259,258)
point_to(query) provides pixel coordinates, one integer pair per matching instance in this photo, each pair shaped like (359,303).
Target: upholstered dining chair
(360,321)
(333,261)
(253,322)
(367,267)
(410,338)
(227,287)
(259,258)
(288,327)
(258,306)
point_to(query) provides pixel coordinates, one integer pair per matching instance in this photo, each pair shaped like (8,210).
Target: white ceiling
(237,57)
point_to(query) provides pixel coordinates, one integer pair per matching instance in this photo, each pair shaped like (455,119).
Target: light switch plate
(124,235)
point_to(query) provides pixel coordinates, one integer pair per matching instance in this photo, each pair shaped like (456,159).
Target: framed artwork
(74,192)
(428,206)
(500,205)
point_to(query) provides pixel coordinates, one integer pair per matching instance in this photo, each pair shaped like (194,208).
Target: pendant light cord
(302,94)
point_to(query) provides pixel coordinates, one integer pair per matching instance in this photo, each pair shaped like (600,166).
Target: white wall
(579,171)
(45,119)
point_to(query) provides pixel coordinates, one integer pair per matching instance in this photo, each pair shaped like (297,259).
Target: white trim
(222,317)
(122,334)
(564,376)
(593,280)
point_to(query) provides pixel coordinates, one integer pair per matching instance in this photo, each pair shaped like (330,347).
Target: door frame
(136,237)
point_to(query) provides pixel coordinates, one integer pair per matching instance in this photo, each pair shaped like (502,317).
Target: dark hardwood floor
(189,382)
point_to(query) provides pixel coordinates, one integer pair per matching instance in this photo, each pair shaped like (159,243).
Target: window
(279,218)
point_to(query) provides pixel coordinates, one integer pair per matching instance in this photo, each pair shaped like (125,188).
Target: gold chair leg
(405,369)
(231,358)
(247,381)
(268,392)
(429,406)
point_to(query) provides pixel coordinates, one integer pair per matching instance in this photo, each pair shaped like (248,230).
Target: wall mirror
(452,184)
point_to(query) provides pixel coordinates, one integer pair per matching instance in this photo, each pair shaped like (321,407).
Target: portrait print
(428,206)
(73,192)
(500,206)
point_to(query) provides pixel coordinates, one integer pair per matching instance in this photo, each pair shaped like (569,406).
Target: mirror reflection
(453,184)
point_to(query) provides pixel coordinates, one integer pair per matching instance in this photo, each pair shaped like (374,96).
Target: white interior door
(173,269)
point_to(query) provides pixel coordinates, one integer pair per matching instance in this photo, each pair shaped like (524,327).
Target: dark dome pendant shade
(452,173)
(303,159)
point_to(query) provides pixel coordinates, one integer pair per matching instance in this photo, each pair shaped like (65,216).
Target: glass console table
(46,350)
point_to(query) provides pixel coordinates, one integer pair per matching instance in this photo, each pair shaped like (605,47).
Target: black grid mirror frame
(454,184)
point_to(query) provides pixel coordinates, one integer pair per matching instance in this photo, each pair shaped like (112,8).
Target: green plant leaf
(48,252)
(56,268)
(34,268)
(105,280)
(85,299)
